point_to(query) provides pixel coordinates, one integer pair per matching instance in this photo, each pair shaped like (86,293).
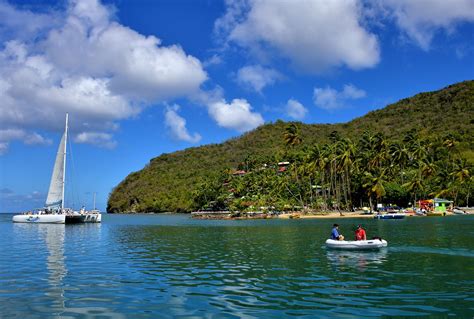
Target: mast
(94,201)
(64,161)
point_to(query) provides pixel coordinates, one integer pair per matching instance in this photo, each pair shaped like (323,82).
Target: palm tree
(415,185)
(292,135)
(346,165)
(374,185)
(461,174)
(450,142)
(399,157)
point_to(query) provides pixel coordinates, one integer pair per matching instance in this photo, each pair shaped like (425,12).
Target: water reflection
(53,236)
(358,259)
(56,288)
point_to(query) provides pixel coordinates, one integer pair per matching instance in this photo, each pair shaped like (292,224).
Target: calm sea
(170,266)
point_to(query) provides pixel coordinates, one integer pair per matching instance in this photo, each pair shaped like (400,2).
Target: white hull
(356,245)
(57,218)
(391,216)
(40,218)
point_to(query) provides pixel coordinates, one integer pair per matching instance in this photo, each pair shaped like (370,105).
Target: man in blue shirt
(335,233)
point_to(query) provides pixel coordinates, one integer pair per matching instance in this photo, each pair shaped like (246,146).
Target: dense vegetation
(418,147)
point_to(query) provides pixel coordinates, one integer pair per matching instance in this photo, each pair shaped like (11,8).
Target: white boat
(356,244)
(459,211)
(54,211)
(390,216)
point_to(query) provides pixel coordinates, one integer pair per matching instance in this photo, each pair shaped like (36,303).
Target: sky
(140,78)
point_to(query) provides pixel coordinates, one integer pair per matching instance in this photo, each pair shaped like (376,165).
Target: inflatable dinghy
(356,245)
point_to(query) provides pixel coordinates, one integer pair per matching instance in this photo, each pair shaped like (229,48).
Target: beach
(226,215)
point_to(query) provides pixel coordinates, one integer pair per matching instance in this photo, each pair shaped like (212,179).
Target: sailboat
(54,211)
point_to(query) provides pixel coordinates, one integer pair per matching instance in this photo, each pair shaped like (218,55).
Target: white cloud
(36,139)
(88,65)
(213,60)
(329,99)
(421,19)
(351,92)
(257,77)
(3,148)
(315,35)
(295,109)
(237,115)
(99,139)
(23,24)
(12,134)
(177,125)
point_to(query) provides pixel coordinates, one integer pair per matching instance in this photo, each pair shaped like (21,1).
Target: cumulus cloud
(100,139)
(315,35)
(85,63)
(236,115)
(177,126)
(329,99)
(421,19)
(23,24)
(295,109)
(257,77)
(30,138)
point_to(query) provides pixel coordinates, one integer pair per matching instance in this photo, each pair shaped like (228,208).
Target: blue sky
(141,78)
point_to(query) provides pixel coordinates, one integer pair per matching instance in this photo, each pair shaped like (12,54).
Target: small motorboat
(356,244)
(459,211)
(390,216)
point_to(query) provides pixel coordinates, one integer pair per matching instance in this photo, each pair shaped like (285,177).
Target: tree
(292,135)
(374,185)
(415,185)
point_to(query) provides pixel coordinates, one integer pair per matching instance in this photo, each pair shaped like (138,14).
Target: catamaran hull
(40,219)
(58,219)
(83,218)
(356,245)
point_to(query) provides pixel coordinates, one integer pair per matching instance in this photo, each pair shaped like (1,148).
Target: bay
(171,266)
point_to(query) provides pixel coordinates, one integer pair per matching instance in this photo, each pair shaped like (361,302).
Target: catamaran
(54,211)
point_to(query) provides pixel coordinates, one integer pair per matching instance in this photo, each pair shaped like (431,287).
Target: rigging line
(73,193)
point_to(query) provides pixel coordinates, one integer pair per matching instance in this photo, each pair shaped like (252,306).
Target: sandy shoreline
(356,214)
(296,215)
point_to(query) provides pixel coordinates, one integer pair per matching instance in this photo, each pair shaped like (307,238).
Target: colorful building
(435,205)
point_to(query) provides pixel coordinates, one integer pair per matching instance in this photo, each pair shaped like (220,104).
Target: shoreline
(228,215)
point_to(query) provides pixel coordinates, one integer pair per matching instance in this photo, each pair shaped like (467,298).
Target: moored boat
(54,211)
(459,211)
(356,244)
(391,216)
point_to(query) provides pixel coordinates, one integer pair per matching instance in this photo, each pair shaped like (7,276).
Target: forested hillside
(425,136)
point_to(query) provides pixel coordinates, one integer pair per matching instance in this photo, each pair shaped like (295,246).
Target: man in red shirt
(360,233)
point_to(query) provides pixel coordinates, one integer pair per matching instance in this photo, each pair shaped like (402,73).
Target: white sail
(55,199)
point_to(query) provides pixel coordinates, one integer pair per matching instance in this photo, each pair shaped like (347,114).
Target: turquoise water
(170,266)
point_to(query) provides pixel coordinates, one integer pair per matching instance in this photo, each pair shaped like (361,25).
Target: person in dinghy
(335,233)
(360,233)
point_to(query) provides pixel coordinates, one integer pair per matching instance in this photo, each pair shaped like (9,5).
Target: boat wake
(430,250)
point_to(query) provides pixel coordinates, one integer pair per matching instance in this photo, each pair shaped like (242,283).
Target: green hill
(169,180)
